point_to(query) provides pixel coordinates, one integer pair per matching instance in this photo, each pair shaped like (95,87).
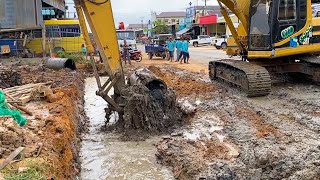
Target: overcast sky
(132,11)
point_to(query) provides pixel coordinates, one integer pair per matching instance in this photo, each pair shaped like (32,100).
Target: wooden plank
(22,109)
(11,157)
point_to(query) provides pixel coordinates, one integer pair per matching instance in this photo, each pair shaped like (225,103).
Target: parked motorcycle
(134,54)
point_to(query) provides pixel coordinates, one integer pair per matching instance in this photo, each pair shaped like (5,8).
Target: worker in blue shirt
(171,46)
(179,48)
(185,51)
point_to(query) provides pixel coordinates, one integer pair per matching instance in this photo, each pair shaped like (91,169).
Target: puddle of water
(104,156)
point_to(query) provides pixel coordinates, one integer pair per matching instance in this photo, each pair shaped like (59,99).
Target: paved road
(206,54)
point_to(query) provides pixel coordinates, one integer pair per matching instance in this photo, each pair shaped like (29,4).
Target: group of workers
(182,47)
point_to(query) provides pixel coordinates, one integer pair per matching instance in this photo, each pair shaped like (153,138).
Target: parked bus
(61,35)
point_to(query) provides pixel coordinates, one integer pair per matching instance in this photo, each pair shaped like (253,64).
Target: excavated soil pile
(9,78)
(41,74)
(52,132)
(275,136)
(193,157)
(183,85)
(151,106)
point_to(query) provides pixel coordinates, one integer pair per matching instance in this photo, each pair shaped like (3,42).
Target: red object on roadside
(121,25)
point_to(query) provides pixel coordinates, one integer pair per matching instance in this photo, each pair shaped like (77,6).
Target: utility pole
(142,22)
(142,25)
(205,6)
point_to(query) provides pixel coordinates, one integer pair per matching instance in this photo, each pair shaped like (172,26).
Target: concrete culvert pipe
(149,79)
(61,63)
(157,87)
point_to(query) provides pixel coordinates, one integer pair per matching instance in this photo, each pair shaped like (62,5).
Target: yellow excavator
(274,36)
(144,102)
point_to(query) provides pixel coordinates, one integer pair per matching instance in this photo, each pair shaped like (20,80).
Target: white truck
(129,36)
(201,40)
(220,43)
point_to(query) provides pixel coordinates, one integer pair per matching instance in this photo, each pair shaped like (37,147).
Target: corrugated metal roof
(137,26)
(171,14)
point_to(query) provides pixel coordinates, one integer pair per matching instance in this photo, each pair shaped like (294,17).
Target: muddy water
(104,156)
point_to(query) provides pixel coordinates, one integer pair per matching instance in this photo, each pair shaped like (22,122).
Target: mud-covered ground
(226,134)
(50,136)
(235,137)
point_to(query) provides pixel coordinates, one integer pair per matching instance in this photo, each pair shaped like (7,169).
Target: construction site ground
(225,135)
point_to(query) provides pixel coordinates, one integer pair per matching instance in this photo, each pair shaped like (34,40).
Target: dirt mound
(41,74)
(263,129)
(183,85)
(10,136)
(191,159)
(61,131)
(54,125)
(9,78)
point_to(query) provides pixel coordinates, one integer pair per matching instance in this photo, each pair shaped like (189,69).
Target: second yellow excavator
(274,36)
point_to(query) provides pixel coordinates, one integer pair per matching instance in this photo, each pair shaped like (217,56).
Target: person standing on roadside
(126,55)
(185,51)
(179,48)
(171,46)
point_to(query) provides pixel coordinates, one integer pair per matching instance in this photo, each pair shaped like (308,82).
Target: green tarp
(5,111)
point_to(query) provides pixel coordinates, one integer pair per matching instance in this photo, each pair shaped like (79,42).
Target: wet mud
(235,137)
(150,105)
(104,155)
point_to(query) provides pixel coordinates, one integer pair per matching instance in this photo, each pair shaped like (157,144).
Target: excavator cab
(281,28)
(273,22)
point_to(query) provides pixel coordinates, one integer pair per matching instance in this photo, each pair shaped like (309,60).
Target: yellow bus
(61,35)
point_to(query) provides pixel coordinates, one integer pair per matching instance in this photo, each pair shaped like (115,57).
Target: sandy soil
(54,126)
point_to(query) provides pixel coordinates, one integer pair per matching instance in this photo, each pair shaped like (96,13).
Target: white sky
(132,11)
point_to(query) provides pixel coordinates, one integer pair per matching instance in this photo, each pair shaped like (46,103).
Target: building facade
(20,14)
(206,20)
(171,18)
(29,14)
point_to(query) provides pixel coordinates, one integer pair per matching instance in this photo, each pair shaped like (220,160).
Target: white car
(202,40)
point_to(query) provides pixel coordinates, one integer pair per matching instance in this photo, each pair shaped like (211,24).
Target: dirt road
(199,58)
(235,137)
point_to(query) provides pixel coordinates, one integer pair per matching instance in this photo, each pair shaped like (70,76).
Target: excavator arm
(98,14)
(241,9)
(145,102)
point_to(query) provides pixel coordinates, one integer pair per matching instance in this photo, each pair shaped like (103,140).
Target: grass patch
(77,57)
(36,170)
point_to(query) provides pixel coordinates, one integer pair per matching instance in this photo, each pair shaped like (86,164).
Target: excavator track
(312,67)
(253,79)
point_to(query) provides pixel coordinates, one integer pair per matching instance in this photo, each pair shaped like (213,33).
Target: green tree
(160,27)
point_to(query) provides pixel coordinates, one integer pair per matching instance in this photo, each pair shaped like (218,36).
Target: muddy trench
(105,156)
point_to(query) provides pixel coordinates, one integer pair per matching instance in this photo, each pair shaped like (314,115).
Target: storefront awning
(179,33)
(209,19)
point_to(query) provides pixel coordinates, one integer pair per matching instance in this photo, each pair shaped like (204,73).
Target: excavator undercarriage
(255,77)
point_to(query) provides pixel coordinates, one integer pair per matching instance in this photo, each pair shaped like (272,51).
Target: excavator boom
(98,14)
